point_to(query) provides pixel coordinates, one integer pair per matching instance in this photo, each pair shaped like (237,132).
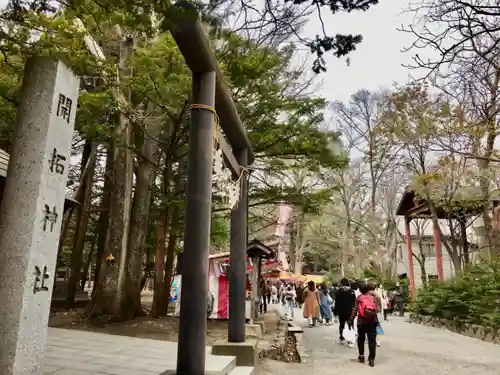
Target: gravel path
(406,348)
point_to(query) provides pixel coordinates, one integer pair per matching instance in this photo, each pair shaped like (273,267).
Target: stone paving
(71,352)
(405,348)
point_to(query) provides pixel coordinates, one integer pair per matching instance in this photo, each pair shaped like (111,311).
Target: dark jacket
(299,290)
(400,294)
(333,292)
(345,300)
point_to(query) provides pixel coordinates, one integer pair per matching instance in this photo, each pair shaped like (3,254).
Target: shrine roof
(414,207)
(256,248)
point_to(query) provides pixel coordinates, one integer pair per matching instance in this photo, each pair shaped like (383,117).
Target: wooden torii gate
(211,100)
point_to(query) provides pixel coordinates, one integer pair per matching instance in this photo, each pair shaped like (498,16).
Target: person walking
(274,294)
(399,299)
(282,294)
(290,302)
(344,304)
(390,301)
(299,293)
(311,304)
(325,303)
(264,291)
(355,287)
(376,290)
(384,301)
(333,292)
(366,312)
(269,292)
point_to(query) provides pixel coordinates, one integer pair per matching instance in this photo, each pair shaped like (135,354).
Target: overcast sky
(378,60)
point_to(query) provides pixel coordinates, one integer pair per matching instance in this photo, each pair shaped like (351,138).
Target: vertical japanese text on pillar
(40,278)
(64,107)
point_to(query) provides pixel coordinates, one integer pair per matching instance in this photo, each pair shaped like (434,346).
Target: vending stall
(218,284)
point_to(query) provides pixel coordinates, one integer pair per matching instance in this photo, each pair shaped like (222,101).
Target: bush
(473,297)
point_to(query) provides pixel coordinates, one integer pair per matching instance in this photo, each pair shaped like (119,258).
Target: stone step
(243,370)
(219,364)
(214,365)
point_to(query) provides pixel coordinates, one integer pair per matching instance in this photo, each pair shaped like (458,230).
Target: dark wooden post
(411,271)
(193,314)
(237,270)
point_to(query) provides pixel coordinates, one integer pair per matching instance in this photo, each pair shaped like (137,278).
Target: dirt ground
(165,329)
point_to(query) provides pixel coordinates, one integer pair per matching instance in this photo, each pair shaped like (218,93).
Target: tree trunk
(293,244)
(421,258)
(86,267)
(172,238)
(493,243)
(465,244)
(139,220)
(169,266)
(149,251)
(81,226)
(78,197)
(159,263)
(423,275)
(347,246)
(102,224)
(457,263)
(161,232)
(110,294)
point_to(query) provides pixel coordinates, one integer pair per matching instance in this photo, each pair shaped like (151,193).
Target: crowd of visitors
(355,305)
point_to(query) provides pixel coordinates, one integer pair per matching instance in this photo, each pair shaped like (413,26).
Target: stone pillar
(411,270)
(237,269)
(193,313)
(32,210)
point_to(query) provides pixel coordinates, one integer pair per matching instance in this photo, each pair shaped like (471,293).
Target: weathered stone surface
(245,352)
(490,336)
(405,348)
(253,330)
(496,339)
(472,330)
(32,211)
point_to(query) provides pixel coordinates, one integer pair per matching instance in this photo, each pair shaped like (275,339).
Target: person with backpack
(366,311)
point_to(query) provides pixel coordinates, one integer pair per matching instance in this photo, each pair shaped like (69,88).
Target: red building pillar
(437,249)
(411,271)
